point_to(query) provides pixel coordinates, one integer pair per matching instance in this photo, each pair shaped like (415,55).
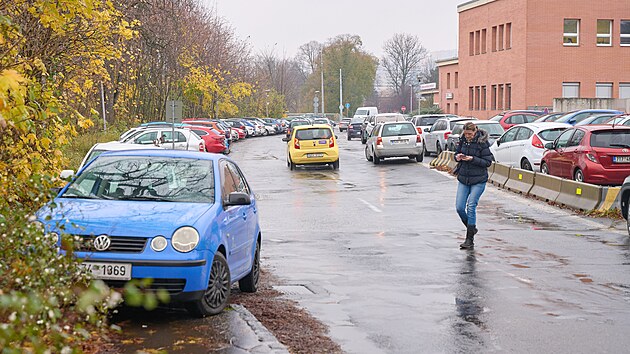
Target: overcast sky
(291,23)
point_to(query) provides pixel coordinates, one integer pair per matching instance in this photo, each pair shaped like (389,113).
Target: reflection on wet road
(378,247)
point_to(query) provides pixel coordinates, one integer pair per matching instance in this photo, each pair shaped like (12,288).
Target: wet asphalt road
(373,253)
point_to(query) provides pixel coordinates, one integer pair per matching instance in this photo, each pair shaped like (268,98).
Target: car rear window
(458,128)
(398,130)
(295,124)
(496,118)
(492,129)
(313,134)
(427,121)
(611,139)
(551,134)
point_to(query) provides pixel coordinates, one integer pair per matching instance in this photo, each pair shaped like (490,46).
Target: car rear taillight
(332,143)
(446,135)
(418,138)
(536,142)
(296,143)
(202,148)
(419,129)
(379,141)
(591,157)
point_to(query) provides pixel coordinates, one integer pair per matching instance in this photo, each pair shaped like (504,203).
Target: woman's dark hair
(470,126)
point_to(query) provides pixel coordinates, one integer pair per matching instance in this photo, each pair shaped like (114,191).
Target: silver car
(436,136)
(494,129)
(394,139)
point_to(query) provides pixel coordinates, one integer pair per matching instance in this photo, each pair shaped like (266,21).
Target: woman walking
(474,157)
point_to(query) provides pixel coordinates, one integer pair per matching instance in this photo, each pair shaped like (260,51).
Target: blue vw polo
(187,220)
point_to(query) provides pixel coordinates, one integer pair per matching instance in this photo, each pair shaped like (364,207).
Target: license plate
(323,142)
(314,155)
(621,159)
(394,142)
(111,271)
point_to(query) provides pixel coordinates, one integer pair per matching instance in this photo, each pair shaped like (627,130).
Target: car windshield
(321,121)
(457,129)
(357,120)
(93,155)
(145,178)
(427,121)
(496,118)
(492,129)
(551,134)
(313,134)
(361,112)
(611,139)
(398,130)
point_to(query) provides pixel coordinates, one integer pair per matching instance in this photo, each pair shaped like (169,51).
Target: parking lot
(372,251)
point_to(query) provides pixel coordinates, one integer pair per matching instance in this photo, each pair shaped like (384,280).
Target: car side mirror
(550,146)
(66,174)
(285,139)
(498,142)
(237,198)
(55,190)
(426,130)
(336,137)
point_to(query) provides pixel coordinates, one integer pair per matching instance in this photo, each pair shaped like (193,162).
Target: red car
(598,154)
(215,141)
(511,118)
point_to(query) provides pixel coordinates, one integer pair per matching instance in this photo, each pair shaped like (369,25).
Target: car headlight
(159,243)
(185,239)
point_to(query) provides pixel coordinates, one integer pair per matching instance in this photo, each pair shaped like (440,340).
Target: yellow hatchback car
(312,145)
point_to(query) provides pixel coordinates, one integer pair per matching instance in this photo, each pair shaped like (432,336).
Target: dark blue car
(187,220)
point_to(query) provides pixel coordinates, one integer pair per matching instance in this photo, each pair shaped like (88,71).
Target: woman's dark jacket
(476,170)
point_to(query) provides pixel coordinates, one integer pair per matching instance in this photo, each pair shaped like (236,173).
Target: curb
(267,342)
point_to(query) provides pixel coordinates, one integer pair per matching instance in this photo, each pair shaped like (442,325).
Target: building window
(493,98)
(625,33)
(500,97)
(477,97)
(508,96)
(501,37)
(471,98)
(448,108)
(603,90)
(508,36)
(494,38)
(483,98)
(448,81)
(604,33)
(456,109)
(471,45)
(477,42)
(456,79)
(570,90)
(624,90)
(484,35)
(571,32)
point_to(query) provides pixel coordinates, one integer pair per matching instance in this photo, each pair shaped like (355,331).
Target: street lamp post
(411,99)
(321,64)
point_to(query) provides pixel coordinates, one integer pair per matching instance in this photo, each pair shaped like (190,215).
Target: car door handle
(244,214)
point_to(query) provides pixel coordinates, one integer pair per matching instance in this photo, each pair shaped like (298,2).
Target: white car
(394,139)
(163,137)
(100,148)
(372,121)
(523,145)
(435,138)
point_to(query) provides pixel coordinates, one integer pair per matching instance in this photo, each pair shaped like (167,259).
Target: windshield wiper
(79,196)
(151,199)
(621,145)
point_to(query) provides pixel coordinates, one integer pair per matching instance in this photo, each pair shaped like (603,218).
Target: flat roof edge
(472,4)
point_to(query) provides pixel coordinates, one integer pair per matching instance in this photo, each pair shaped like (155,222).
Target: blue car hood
(122,218)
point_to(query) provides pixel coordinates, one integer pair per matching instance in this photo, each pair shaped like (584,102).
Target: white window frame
(604,85)
(624,86)
(576,35)
(609,35)
(623,35)
(571,84)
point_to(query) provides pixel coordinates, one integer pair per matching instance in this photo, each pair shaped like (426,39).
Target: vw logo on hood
(102,243)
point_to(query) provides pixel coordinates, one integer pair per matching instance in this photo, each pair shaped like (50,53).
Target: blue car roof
(166,153)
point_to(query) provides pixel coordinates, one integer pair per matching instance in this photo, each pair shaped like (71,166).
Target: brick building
(521,54)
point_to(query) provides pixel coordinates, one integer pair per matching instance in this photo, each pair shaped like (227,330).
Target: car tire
(544,169)
(249,284)
(426,152)
(335,165)
(526,165)
(578,175)
(349,138)
(419,157)
(438,149)
(627,222)
(291,165)
(265,133)
(367,156)
(363,139)
(376,160)
(216,297)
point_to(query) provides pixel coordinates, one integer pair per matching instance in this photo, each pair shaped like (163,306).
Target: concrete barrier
(546,187)
(445,158)
(450,162)
(500,175)
(610,199)
(520,181)
(579,195)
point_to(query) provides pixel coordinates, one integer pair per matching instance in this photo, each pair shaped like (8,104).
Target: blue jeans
(467,200)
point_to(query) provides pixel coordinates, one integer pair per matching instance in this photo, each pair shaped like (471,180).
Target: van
(365,112)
